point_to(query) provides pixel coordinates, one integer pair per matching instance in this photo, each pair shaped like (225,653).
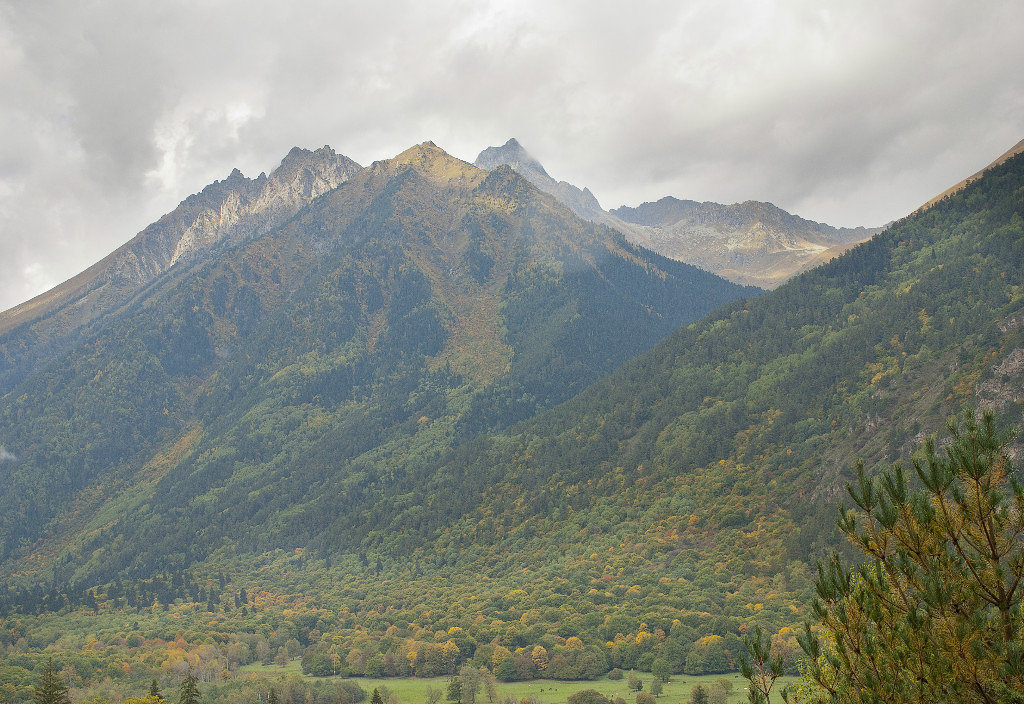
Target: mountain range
(420,301)
(431,415)
(750,243)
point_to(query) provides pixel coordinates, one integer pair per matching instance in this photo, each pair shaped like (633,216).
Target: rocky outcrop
(1003,388)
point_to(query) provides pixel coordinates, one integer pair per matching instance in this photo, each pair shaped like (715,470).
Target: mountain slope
(224,213)
(1011,152)
(732,436)
(751,243)
(420,302)
(697,482)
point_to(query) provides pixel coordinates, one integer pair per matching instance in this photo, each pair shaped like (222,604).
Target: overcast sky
(850,113)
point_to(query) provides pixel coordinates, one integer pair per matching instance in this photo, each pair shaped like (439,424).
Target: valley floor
(412,690)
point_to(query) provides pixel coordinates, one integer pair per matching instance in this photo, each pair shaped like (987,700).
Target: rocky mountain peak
(514,155)
(324,162)
(224,212)
(434,163)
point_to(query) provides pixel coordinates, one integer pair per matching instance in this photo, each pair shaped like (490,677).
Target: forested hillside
(690,492)
(325,489)
(421,302)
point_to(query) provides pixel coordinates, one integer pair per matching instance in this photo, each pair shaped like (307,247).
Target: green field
(412,690)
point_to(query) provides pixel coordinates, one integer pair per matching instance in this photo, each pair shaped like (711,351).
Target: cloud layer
(849,113)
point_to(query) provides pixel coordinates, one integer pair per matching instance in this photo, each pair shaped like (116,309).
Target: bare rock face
(225,212)
(243,208)
(1003,388)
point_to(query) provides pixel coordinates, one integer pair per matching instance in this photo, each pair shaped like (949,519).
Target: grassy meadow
(412,690)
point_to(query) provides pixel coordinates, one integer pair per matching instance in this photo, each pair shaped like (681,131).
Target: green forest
(437,421)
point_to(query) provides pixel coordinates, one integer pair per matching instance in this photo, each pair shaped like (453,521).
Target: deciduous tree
(455,690)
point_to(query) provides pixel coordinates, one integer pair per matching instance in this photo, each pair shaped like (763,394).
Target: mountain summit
(512,154)
(224,213)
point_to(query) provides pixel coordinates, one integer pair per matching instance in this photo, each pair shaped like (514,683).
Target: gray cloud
(848,113)
(6,456)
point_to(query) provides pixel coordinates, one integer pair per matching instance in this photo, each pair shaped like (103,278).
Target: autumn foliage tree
(933,614)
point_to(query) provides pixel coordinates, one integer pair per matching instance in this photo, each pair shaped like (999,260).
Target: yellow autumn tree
(540,658)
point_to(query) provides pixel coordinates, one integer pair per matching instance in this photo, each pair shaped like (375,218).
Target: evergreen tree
(272,699)
(154,689)
(375,698)
(934,612)
(189,689)
(760,669)
(51,688)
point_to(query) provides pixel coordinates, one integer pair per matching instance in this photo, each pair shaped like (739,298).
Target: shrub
(588,696)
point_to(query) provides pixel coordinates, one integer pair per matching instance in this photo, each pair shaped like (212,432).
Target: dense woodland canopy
(371,518)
